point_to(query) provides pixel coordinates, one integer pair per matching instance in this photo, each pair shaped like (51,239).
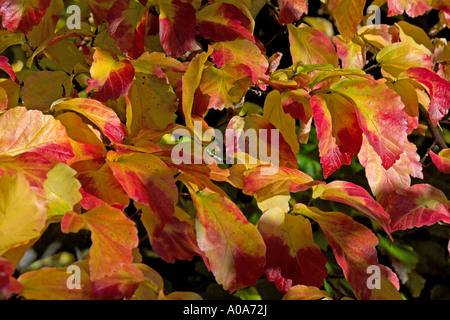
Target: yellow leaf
(62,190)
(273,111)
(22,215)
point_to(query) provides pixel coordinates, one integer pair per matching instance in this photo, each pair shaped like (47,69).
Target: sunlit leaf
(223,21)
(310,46)
(147,180)
(111,78)
(102,116)
(292,257)
(33,132)
(419,205)
(441,160)
(113,237)
(22,15)
(353,245)
(233,247)
(22,213)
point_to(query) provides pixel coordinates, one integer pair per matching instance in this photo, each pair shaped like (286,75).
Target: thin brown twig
(433,130)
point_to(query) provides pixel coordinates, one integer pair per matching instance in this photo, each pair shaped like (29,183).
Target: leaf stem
(433,130)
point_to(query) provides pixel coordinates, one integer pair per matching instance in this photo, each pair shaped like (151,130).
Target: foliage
(86,122)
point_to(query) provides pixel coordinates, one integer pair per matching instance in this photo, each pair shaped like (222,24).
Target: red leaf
(110,77)
(291,10)
(22,15)
(419,205)
(113,238)
(353,245)
(233,247)
(356,197)
(33,165)
(441,160)
(223,21)
(147,180)
(102,116)
(413,8)
(380,115)
(177,22)
(127,26)
(438,89)
(100,187)
(292,256)
(5,66)
(338,130)
(8,284)
(174,239)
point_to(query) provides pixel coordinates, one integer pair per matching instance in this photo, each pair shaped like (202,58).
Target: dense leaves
(282,149)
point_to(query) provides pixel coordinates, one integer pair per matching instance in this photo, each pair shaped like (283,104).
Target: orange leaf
(113,238)
(233,247)
(110,77)
(33,132)
(102,116)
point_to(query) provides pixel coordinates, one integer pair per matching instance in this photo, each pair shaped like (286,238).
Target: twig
(422,161)
(433,130)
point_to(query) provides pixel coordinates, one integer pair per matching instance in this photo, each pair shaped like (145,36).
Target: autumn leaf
(22,213)
(384,125)
(86,141)
(356,197)
(127,20)
(233,247)
(100,187)
(151,103)
(276,152)
(310,46)
(50,283)
(147,180)
(32,165)
(42,88)
(385,182)
(353,245)
(34,132)
(274,112)
(352,53)
(226,85)
(348,15)
(292,257)
(302,292)
(441,160)
(291,11)
(240,51)
(177,22)
(418,205)
(102,116)
(338,130)
(413,8)
(62,190)
(22,15)
(190,82)
(438,89)
(176,239)
(224,21)
(8,284)
(110,77)
(5,66)
(113,238)
(263,186)
(400,56)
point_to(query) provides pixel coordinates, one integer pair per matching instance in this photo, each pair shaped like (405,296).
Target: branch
(434,130)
